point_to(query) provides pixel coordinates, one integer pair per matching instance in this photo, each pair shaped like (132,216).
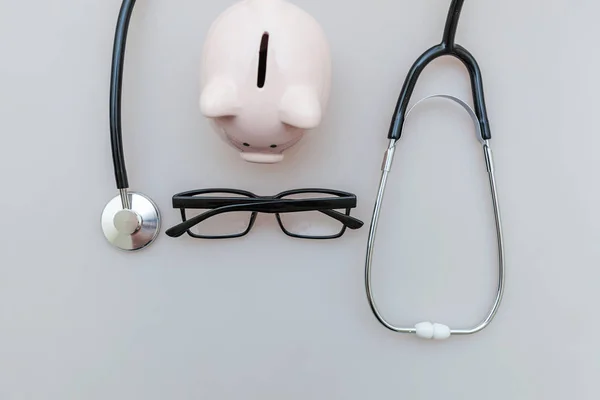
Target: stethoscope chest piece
(131,221)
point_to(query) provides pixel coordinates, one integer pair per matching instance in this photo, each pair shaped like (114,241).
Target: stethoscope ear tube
(131,220)
(428,330)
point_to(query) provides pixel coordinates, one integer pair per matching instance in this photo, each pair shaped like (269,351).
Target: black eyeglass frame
(265,204)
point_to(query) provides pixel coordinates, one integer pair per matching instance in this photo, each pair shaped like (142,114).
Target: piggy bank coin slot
(262,60)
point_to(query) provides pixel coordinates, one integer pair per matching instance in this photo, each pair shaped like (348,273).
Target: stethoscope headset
(447,47)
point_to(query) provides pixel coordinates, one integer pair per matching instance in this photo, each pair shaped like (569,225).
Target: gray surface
(189,319)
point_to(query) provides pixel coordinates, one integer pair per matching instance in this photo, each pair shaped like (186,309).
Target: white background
(193,319)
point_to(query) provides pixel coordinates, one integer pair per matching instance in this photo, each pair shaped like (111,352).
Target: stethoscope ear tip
(133,227)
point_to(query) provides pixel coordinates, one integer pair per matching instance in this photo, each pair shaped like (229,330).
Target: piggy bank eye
(262,60)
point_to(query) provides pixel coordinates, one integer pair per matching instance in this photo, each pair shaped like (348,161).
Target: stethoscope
(131,220)
(447,47)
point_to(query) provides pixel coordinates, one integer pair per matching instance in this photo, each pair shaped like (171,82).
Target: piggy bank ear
(219,99)
(300,107)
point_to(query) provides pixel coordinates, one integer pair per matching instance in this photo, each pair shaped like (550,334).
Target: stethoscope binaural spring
(430,330)
(130,221)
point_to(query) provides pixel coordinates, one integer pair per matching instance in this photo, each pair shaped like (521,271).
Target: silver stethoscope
(130,221)
(447,47)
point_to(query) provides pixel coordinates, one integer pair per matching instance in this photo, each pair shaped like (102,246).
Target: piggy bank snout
(257,139)
(260,125)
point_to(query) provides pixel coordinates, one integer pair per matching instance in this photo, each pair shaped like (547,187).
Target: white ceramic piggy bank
(266,77)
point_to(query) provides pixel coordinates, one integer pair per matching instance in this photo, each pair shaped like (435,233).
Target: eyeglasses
(229,213)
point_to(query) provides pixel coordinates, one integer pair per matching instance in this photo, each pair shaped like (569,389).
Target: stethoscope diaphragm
(131,221)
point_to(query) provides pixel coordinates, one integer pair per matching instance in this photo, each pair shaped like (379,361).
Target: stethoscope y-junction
(447,47)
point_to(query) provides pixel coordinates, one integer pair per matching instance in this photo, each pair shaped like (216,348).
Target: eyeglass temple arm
(181,228)
(350,222)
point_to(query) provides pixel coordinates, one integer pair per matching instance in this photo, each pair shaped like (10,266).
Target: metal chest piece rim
(131,221)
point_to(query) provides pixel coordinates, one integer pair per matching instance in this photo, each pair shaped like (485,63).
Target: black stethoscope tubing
(447,47)
(116,86)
